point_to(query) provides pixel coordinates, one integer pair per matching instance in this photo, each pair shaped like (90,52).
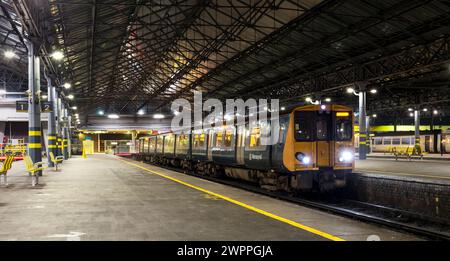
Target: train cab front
(321,146)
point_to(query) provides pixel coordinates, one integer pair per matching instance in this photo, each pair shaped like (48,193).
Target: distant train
(430,141)
(314,151)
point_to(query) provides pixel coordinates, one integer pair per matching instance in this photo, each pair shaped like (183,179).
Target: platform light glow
(71,97)
(350,90)
(9,54)
(141,112)
(411,114)
(425,109)
(283,108)
(113,116)
(374,115)
(374,91)
(44,97)
(101,113)
(57,55)
(74,108)
(158,116)
(67,85)
(410,109)
(308,99)
(435,112)
(328,100)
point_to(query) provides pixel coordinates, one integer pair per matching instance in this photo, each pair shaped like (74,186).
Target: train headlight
(346,156)
(306,160)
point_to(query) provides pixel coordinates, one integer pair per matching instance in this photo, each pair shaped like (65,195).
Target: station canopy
(123,56)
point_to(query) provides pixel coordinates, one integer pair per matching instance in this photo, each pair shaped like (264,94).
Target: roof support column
(59,126)
(52,139)
(362,121)
(417,132)
(65,133)
(34,108)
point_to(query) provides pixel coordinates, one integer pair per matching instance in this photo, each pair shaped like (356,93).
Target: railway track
(389,217)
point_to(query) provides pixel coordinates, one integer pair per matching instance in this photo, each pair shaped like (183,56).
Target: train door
(323,144)
(240,145)
(427,143)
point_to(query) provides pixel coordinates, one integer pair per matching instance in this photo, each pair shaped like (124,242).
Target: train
(436,141)
(314,151)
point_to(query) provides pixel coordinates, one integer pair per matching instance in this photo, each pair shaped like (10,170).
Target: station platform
(423,170)
(428,156)
(105,197)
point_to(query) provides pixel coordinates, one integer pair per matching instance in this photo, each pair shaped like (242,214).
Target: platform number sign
(22,106)
(46,107)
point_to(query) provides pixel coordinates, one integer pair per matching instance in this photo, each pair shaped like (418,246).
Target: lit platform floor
(427,170)
(427,156)
(106,198)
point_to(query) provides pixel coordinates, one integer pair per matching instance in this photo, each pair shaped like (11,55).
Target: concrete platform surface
(104,198)
(424,170)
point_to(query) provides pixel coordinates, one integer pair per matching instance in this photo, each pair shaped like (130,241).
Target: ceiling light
(101,112)
(141,112)
(67,85)
(410,109)
(158,116)
(74,108)
(9,54)
(308,99)
(283,108)
(374,115)
(328,100)
(57,55)
(435,112)
(44,96)
(425,109)
(350,90)
(70,97)
(373,91)
(411,114)
(113,116)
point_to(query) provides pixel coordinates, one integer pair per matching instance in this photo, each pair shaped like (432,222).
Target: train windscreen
(344,131)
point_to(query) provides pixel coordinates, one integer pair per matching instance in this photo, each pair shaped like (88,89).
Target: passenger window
(199,140)
(255,137)
(396,141)
(387,141)
(303,126)
(219,139)
(406,141)
(229,138)
(378,141)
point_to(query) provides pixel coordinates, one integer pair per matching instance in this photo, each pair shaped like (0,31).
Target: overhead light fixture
(308,99)
(411,115)
(100,112)
(425,109)
(67,85)
(2,91)
(70,97)
(57,55)
(113,116)
(141,112)
(350,90)
(435,112)
(374,91)
(44,97)
(158,116)
(74,108)
(283,108)
(328,100)
(374,115)
(410,109)
(9,54)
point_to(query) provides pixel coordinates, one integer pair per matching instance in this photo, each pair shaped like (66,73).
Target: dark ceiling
(125,55)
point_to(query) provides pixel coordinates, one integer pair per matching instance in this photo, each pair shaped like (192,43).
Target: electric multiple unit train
(314,150)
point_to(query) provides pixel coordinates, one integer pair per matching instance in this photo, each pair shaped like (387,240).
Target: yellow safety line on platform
(257,210)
